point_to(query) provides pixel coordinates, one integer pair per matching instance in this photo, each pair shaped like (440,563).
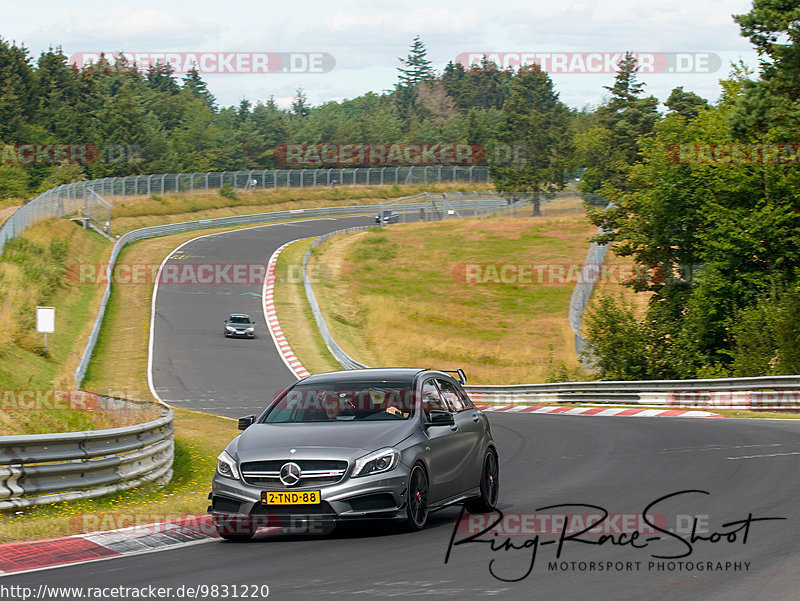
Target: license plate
(306,497)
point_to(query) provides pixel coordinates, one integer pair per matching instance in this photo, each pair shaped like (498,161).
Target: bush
(765,336)
(620,342)
(227,191)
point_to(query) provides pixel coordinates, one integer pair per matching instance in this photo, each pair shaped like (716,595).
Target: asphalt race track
(749,468)
(194,365)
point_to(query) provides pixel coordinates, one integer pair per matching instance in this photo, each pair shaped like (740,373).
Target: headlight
(251,329)
(226,466)
(230,328)
(379,461)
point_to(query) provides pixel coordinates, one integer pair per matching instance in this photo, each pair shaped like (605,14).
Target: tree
(159,78)
(686,104)
(16,90)
(196,87)
(621,122)
(300,106)
(535,136)
(415,67)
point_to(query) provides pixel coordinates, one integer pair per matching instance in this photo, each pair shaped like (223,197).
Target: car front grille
(314,472)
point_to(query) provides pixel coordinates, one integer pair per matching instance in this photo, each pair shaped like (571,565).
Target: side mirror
(246,421)
(441,418)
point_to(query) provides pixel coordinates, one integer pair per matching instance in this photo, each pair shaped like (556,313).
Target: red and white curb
(271,317)
(80,548)
(597,411)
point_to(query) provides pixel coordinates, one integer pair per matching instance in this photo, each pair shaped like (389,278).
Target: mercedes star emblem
(290,474)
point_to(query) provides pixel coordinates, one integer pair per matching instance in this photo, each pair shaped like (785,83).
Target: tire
(417,500)
(490,484)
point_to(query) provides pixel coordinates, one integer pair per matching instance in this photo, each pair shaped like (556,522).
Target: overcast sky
(365,37)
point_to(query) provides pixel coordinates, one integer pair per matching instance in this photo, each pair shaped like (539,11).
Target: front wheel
(490,484)
(417,503)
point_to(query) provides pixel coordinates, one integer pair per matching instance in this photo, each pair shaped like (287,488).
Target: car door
(472,426)
(445,446)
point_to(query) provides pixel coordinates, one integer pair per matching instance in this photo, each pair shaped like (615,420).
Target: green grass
(35,271)
(294,312)
(398,296)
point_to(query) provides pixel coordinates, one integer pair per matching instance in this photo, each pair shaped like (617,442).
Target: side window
(465,400)
(450,396)
(431,399)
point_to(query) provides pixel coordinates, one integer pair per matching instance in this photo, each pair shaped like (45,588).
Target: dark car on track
(239,325)
(387,217)
(373,443)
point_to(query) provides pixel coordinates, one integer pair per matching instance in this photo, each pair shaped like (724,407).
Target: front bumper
(381,496)
(239,334)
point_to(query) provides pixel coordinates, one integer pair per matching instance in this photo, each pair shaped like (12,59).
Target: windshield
(238,319)
(350,402)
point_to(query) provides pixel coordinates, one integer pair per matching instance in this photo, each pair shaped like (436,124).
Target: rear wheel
(417,505)
(490,484)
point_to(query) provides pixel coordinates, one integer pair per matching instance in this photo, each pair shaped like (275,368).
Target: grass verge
(431,294)
(293,309)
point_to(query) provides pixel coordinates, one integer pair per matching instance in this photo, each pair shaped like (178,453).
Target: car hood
(340,440)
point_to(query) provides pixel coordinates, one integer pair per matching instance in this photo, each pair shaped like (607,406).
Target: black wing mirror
(441,418)
(246,421)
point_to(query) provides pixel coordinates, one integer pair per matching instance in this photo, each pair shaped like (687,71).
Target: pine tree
(194,84)
(300,105)
(621,122)
(416,66)
(16,90)
(535,132)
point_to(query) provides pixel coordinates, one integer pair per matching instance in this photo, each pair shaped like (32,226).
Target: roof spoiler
(462,377)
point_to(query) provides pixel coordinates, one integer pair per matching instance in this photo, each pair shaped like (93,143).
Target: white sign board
(46,319)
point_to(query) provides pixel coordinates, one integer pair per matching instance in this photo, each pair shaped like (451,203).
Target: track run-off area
(720,494)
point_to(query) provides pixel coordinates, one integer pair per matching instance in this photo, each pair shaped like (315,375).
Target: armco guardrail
(69,199)
(50,468)
(175,228)
(582,292)
(767,392)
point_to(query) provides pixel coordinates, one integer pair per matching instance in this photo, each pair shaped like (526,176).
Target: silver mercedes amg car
(372,443)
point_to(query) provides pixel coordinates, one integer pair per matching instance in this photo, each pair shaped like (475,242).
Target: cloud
(128,28)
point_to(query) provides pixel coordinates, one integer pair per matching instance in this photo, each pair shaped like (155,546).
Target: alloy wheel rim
(419,496)
(491,478)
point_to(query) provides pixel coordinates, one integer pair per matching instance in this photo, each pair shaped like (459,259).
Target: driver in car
(391,406)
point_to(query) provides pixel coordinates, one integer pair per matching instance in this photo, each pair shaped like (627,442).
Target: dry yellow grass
(142,211)
(398,297)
